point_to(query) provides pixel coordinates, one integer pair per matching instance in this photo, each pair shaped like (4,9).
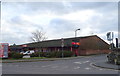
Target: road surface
(71,66)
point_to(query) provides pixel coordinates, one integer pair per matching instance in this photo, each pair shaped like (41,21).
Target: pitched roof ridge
(60,39)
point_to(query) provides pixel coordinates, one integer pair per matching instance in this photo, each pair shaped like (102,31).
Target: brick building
(88,45)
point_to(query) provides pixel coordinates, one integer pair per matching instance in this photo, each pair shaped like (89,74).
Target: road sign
(62,44)
(110,36)
(75,44)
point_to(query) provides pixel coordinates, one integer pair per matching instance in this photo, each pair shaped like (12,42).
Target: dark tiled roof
(56,42)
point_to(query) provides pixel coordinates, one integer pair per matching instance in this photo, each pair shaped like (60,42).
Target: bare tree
(38,36)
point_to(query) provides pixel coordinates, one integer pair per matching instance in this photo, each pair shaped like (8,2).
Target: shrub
(50,54)
(59,54)
(37,54)
(34,55)
(53,54)
(10,54)
(67,53)
(15,55)
(42,54)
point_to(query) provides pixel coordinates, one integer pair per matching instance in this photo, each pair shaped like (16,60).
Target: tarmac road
(71,66)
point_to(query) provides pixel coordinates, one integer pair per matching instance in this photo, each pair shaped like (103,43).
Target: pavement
(106,65)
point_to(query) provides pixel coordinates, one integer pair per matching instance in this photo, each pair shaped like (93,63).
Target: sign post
(62,45)
(110,37)
(75,45)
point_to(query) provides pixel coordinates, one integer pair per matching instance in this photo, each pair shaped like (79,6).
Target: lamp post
(76,32)
(76,40)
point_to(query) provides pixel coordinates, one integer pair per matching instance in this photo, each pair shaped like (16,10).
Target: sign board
(62,44)
(75,44)
(110,36)
(4,50)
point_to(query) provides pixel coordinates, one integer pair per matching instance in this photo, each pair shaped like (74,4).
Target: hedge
(37,54)
(52,54)
(65,54)
(15,55)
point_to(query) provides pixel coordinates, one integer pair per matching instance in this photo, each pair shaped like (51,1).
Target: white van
(29,52)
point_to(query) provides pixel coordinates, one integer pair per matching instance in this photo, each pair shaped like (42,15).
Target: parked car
(29,52)
(114,57)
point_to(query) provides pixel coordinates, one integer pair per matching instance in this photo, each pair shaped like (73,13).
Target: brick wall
(91,52)
(93,43)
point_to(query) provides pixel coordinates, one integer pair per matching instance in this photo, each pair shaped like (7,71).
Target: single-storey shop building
(88,45)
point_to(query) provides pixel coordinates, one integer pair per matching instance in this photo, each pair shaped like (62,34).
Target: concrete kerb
(105,67)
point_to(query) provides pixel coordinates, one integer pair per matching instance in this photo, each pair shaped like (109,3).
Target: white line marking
(81,63)
(54,67)
(77,68)
(86,61)
(78,62)
(87,68)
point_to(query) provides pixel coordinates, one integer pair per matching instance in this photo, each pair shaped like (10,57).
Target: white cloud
(80,16)
(39,18)
(56,19)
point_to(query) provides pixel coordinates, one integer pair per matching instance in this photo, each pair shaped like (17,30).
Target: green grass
(25,58)
(35,58)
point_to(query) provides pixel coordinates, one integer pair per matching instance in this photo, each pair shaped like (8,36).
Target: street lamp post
(75,38)
(76,32)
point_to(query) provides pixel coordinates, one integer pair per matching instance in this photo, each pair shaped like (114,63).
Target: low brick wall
(91,52)
(82,52)
(106,51)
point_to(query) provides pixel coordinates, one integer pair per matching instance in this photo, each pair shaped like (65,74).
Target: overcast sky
(57,19)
